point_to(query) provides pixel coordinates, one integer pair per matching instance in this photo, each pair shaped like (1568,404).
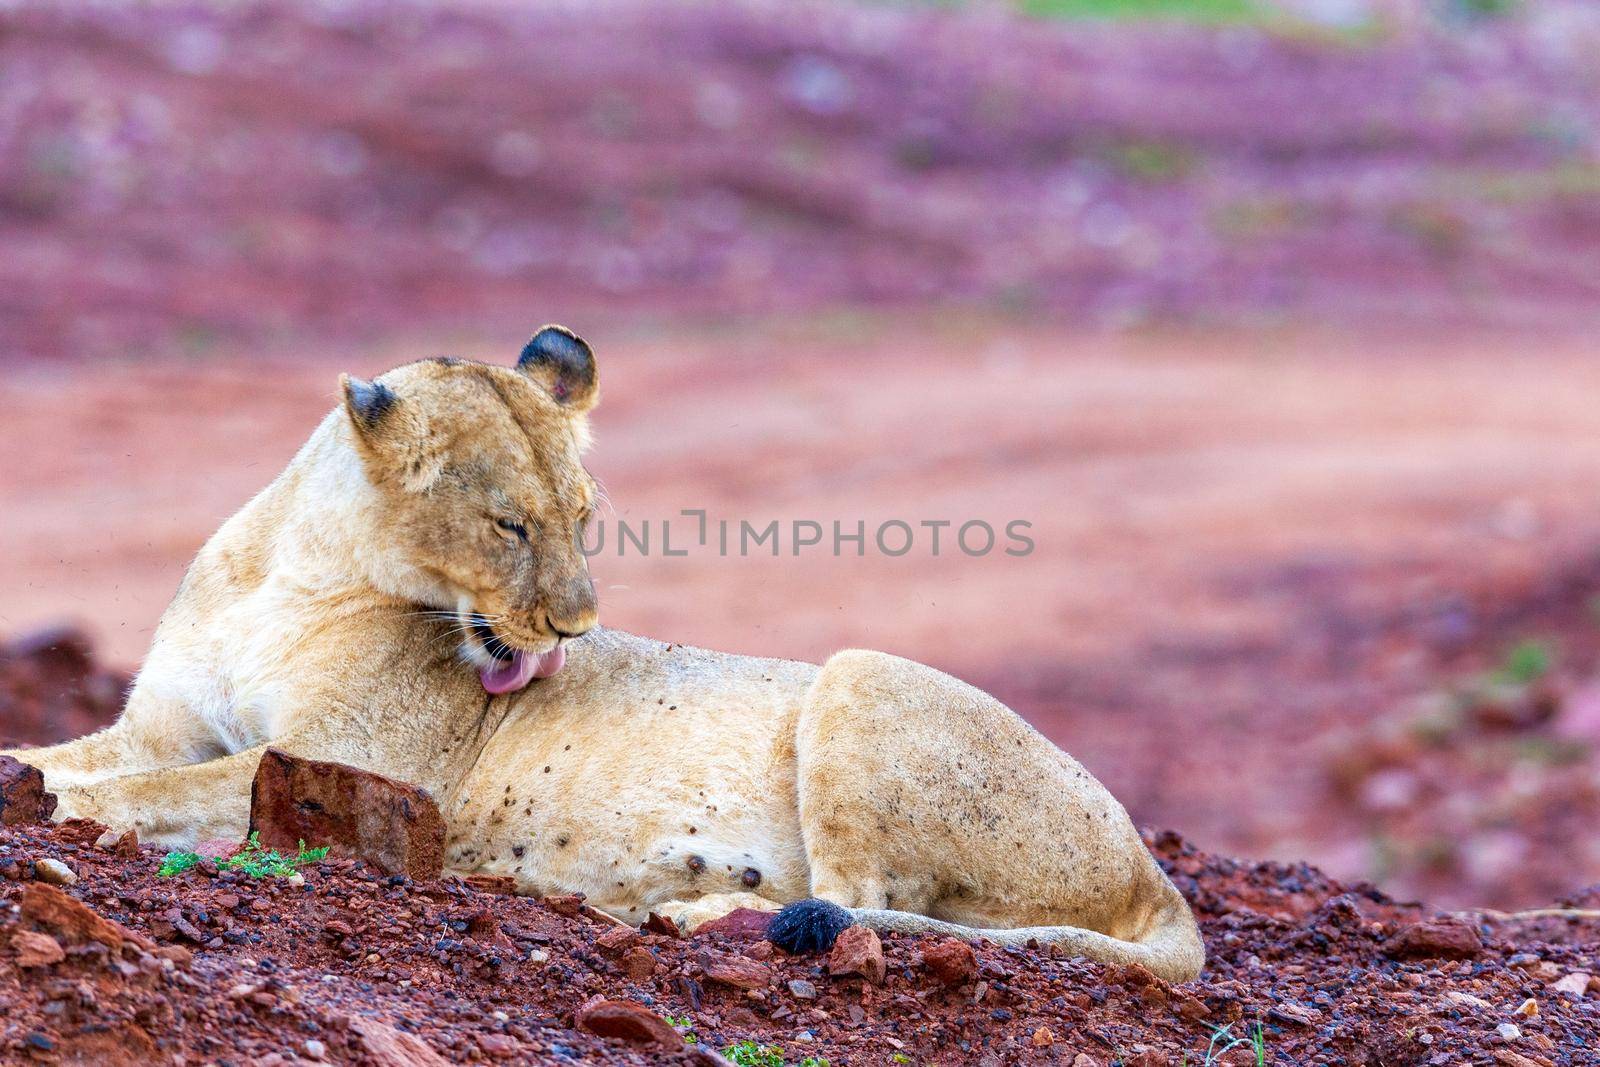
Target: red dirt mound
(353,966)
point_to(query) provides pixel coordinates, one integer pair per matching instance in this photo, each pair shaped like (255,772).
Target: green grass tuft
(750,1054)
(1223,1042)
(177,863)
(253,860)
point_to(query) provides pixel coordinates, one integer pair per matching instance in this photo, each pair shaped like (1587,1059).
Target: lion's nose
(574,613)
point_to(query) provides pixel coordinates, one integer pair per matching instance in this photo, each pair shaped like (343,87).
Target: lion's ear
(395,441)
(366,402)
(559,360)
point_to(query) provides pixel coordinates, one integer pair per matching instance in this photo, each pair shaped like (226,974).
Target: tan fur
(324,618)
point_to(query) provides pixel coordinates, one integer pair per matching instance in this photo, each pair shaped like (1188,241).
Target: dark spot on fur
(561,842)
(696,863)
(751,877)
(547,770)
(517,851)
(808,926)
(692,830)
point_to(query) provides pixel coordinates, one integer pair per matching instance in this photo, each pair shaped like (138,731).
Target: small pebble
(1508,1031)
(55,872)
(315,1049)
(1528,1009)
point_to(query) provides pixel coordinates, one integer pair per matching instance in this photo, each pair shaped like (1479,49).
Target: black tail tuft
(808,926)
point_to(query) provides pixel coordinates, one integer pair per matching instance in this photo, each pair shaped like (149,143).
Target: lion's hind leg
(928,806)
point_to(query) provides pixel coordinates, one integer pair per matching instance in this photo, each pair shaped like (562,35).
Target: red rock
(623,1020)
(391,825)
(499,1046)
(482,925)
(858,951)
(70,920)
(951,962)
(740,924)
(35,949)
(617,941)
(124,845)
(1446,937)
(639,965)
(736,971)
(80,832)
(389,1047)
(22,794)
(571,905)
(660,924)
(500,885)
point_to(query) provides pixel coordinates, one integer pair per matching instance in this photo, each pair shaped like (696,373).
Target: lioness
(410,596)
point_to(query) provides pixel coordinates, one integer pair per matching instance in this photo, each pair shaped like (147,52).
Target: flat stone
(1446,937)
(388,1047)
(394,826)
(736,971)
(623,1020)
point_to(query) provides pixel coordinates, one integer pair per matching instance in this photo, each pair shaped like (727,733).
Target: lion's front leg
(98,755)
(175,807)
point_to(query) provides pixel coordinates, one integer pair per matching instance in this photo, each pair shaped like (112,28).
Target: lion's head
(482,496)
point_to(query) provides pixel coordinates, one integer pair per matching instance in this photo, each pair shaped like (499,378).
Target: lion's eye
(511,526)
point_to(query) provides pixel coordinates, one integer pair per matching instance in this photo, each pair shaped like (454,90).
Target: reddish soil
(262,971)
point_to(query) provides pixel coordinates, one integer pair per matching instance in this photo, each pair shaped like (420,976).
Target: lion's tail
(1171,949)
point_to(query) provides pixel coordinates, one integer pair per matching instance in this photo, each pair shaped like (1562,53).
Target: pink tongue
(521,669)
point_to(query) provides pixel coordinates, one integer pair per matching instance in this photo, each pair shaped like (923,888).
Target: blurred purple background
(179,175)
